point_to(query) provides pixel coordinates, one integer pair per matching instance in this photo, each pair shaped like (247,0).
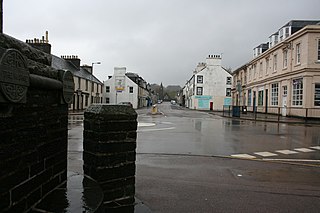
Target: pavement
(268,118)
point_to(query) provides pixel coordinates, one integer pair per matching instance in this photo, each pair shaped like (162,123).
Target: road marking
(287,152)
(164,122)
(150,130)
(315,147)
(291,160)
(246,156)
(304,150)
(265,154)
(140,124)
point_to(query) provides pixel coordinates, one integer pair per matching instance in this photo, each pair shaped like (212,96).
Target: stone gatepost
(109,153)
(34,100)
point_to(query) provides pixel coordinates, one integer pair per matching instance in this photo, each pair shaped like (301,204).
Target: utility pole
(1,10)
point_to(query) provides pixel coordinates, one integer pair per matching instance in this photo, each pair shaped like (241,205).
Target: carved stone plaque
(14,76)
(68,87)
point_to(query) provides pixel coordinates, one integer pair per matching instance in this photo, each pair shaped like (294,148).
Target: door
(284,106)
(284,101)
(266,103)
(254,101)
(211,106)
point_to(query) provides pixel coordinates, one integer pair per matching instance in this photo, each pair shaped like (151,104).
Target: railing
(271,113)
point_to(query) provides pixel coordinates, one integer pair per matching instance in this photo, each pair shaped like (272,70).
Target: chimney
(214,60)
(73,59)
(40,44)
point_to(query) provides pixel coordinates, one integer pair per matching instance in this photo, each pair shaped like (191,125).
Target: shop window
(274,94)
(317,95)
(297,92)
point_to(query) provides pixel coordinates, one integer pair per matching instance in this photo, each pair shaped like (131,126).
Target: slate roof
(60,63)
(302,23)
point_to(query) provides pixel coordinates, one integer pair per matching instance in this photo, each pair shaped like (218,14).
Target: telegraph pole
(1,10)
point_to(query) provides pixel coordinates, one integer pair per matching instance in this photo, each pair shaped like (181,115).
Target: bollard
(154,109)
(109,153)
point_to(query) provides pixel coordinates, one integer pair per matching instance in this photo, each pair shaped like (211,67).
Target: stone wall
(109,153)
(33,125)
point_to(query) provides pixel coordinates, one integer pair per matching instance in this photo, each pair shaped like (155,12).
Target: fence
(272,113)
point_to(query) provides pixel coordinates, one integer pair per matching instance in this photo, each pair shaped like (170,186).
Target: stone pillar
(109,153)
(34,100)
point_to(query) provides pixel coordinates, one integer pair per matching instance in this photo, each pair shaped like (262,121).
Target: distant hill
(173,88)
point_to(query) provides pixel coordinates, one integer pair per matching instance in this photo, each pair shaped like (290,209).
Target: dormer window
(281,34)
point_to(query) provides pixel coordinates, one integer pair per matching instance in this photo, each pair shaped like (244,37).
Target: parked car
(126,103)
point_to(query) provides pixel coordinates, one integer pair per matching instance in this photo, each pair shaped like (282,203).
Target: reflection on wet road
(199,133)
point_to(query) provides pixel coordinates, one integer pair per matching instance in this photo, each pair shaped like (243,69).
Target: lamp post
(93,64)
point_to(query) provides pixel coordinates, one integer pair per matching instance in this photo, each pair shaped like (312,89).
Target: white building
(209,88)
(125,87)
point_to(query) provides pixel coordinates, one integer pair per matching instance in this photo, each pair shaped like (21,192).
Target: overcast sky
(161,40)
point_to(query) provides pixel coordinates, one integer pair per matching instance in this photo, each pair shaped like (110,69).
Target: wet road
(176,173)
(189,132)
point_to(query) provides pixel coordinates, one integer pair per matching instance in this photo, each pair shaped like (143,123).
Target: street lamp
(93,64)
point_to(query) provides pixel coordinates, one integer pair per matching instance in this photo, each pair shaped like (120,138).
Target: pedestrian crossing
(266,154)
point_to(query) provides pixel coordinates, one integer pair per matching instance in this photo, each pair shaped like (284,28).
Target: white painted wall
(214,85)
(124,95)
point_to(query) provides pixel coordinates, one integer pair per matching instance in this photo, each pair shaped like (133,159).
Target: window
(285,59)
(317,95)
(79,83)
(254,71)
(107,89)
(267,65)
(297,92)
(92,87)
(200,79)
(130,89)
(228,92)
(298,54)
(199,90)
(87,83)
(285,91)
(260,69)
(249,74)
(319,50)
(249,97)
(228,80)
(260,98)
(274,94)
(275,63)
(86,100)
(286,32)
(107,100)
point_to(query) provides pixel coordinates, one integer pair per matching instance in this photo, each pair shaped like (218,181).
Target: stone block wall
(33,125)
(110,152)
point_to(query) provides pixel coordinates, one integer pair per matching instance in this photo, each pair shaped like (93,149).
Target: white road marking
(265,154)
(150,130)
(291,160)
(287,152)
(315,147)
(140,124)
(304,150)
(164,122)
(246,156)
